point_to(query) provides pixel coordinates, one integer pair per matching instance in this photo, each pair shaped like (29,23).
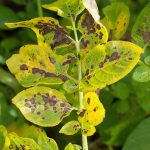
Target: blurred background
(127,102)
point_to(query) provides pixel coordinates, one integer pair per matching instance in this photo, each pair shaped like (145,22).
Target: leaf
(6,15)
(48,31)
(22,2)
(43,106)
(88,130)
(142,74)
(19,143)
(34,66)
(93,112)
(141,29)
(139,138)
(92,33)
(70,128)
(91,6)
(66,9)
(72,147)
(117,19)
(106,64)
(70,86)
(3,133)
(40,137)
(147,60)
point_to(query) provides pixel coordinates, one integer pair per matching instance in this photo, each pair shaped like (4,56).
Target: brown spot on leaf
(23,67)
(88,100)
(84,43)
(82,113)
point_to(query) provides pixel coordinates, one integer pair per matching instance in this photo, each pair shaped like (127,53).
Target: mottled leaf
(48,31)
(141,28)
(117,19)
(20,143)
(70,128)
(36,65)
(3,133)
(73,147)
(67,8)
(91,6)
(43,106)
(92,33)
(116,59)
(142,74)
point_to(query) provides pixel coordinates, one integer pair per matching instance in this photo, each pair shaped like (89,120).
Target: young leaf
(70,86)
(92,33)
(142,74)
(73,147)
(3,133)
(43,106)
(91,6)
(141,28)
(117,59)
(48,31)
(88,130)
(117,19)
(67,8)
(34,65)
(147,60)
(19,143)
(70,128)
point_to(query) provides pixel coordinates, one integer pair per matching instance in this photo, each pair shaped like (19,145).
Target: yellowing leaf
(48,31)
(70,128)
(20,143)
(117,19)
(35,65)
(93,112)
(91,6)
(43,106)
(3,133)
(116,59)
(73,147)
(92,33)
(67,8)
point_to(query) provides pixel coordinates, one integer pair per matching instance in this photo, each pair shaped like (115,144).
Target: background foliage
(127,102)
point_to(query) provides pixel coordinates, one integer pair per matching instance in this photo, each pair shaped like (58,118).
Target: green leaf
(3,133)
(141,29)
(73,147)
(48,31)
(142,74)
(66,9)
(117,19)
(106,64)
(19,143)
(92,33)
(70,86)
(139,138)
(91,6)
(34,66)
(43,106)
(6,15)
(70,128)
(147,60)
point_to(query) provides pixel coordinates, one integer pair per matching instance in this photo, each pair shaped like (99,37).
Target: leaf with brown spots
(14,142)
(92,33)
(70,128)
(43,106)
(106,64)
(67,8)
(141,28)
(36,65)
(48,31)
(117,19)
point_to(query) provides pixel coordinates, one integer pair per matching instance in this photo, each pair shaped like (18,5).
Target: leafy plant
(64,72)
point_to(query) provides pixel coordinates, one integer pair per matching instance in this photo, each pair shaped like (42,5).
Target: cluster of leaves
(51,67)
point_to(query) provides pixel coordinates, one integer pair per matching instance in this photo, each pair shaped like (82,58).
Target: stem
(40,11)
(84,138)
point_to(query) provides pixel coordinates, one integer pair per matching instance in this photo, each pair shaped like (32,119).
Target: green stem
(40,11)
(84,138)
